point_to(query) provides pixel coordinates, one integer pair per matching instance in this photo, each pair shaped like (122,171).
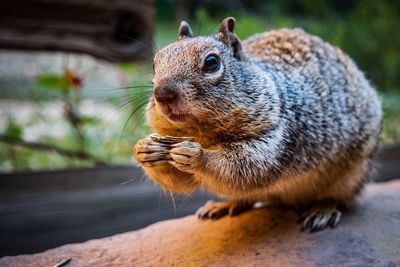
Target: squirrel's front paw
(150,154)
(186,156)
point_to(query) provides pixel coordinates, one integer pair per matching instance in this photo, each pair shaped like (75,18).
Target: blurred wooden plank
(118,30)
(387,164)
(40,210)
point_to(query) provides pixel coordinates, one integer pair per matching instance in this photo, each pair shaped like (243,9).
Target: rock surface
(369,236)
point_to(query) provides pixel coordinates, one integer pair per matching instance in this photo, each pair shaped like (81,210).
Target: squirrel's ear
(227,35)
(184,31)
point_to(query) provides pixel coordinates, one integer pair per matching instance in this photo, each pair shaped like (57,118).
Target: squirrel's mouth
(174,112)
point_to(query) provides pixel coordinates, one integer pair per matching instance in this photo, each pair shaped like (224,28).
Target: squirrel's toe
(215,210)
(320,218)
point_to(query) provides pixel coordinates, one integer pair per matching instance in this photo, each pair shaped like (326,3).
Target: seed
(169,139)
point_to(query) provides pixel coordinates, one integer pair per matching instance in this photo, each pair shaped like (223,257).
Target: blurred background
(74,80)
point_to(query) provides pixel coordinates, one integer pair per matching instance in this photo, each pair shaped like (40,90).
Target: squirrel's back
(285,47)
(319,82)
(330,111)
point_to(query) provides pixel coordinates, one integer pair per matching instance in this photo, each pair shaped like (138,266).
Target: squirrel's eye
(211,63)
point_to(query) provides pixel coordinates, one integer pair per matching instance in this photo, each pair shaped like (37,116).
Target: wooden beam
(118,30)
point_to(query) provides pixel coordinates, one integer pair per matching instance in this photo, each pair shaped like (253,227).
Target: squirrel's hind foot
(214,210)
(320,217)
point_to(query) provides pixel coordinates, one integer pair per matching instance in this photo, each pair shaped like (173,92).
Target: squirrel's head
(204,78)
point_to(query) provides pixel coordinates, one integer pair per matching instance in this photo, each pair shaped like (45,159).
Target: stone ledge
(370,236)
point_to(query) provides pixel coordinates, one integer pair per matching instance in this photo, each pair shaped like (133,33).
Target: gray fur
(290,105)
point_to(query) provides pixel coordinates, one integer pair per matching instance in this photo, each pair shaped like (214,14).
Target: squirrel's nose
(165,95)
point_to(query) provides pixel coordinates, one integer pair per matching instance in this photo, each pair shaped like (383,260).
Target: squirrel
(282,118)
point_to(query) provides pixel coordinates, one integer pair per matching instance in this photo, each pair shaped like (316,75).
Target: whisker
(121,88)
(185,201)
(133,39)
(122,98)
(127,182)
(154,46)
(173,199)
(132,114)
(139,101)
(115,110)
(138,122)
(125,100)
(159,201)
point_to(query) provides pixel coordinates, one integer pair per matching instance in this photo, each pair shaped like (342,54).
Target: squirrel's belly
(340,184)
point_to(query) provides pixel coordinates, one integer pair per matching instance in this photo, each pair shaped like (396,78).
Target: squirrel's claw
(318,219)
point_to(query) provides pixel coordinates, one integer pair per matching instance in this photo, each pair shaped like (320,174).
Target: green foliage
(51,81)
(369,35)
(90,120)
(128,68)
(13,131)
(248,26)
(391,118)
